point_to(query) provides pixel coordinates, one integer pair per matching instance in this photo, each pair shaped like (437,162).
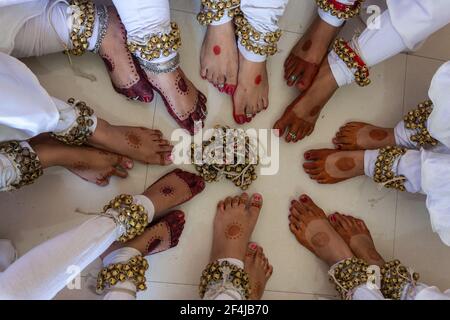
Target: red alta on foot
(174,222)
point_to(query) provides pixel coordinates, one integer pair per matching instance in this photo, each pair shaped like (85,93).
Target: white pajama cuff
(250,56)
(330,19)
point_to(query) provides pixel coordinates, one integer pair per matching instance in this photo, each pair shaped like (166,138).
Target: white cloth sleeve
(333,20)
(9,172)
(143,18)
(8,254)
(43,271)
(424,292)
(403,135)
(263,15)
(228,294)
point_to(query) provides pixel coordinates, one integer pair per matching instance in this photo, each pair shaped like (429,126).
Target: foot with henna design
(252,92)
(311,228)
(173,189)
(141,144)
(363,136)
(302,64)
(159,236)
(357,236)
(235,220)
(219,57)
(328,166)
(259,270)
(300,117)
(126,75)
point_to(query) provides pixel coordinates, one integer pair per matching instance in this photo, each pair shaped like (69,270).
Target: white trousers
(421,292)
(43,271)
(404,26)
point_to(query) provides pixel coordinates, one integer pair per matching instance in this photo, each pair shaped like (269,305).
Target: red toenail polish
(257,197)
(240,119)
(129,164)
(302,83)
(253,246)
(333,218)
(169,157)
(304,198)
(307,156)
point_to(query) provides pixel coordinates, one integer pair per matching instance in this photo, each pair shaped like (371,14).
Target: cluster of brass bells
(383,168)
(241,170)
(349,56)
(83,27)
(332,6)
(133,270)
(158,45)
(214,10)
(417,120)
(252,40)
(25,160)
(394,277)
(82,129)
(215,272)
(133,216)
(348,275)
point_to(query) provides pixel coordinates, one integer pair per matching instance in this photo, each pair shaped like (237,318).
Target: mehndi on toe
(395,277)
(417,120)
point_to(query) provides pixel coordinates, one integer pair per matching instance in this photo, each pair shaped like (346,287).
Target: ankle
(50,155)
(102,133)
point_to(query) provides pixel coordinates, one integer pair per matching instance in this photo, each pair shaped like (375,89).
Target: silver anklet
(163,67)
(103,20)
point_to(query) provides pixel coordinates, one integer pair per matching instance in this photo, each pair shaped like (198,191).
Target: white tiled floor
(399,222)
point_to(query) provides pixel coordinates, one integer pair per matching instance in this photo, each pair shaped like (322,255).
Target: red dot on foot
(217,50)
(258,80)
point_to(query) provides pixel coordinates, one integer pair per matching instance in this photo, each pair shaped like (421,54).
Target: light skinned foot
(302,64)
(219,57)
(138,143)
(252,92)
(258,269)
(363,136)
(357,236)
(300,117)
(328,166)
(311,228)
(234,223)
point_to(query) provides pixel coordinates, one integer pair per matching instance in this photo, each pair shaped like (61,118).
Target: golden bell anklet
(221,276)
(82,26)
(132,216)
(383,168)
(353,61)
(394,279)
(340,10)
(25,160)
(417,120)
(133,270)
(348,275)
(215,10)
(82,129)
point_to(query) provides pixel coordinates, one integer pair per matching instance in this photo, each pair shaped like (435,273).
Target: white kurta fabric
(43,271)
(8,254)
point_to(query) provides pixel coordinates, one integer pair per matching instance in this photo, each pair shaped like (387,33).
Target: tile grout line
(425,57)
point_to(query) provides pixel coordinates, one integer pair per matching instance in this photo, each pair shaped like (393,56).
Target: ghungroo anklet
(395,277)
(83,19)
(340,10)
(157,45)
(348,275)
(163,67)
(383,168)
(219,277)
(82,129)
(264,44)
(133,270)
(353,61)
(132,216)
(103,20)
(417,120)
(25,160)
(215,10)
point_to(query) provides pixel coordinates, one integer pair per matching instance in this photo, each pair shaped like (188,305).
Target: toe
(243,199)
(269,270)
(252,249)
(256,202)
(228,202)
(235,202)
(291,136)
(281,126)
(124,162)
(311,206)
(308,76)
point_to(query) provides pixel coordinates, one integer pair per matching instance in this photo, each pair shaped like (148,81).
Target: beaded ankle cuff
(163,67)
(219,277)
(133,270)
(353,61)
(26,162)
(340,10)
(394,279)
(83,18)
(157,45)
(215,10)
(82,129)
(417,120)
(103,20)
(264,44)
(348,275)
(383,168)
(132,216)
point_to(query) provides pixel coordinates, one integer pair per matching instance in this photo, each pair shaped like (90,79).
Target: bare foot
(302,65)
(160,236)
(311,228)
(233,226)
(356,234)
(173,189)
(252,92)
(219,57)
(363,136)
(258,269)
(138,143)
(126,75)
(183,101)
(328,166)
(300,117)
